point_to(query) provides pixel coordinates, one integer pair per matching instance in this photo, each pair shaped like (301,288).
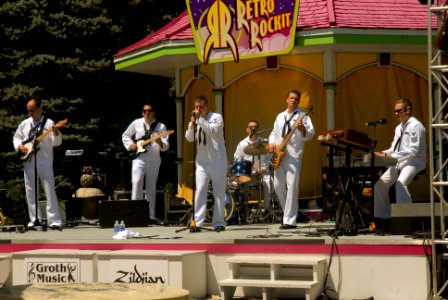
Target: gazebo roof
(404,16)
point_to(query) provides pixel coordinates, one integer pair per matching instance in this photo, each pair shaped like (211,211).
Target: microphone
(192,113)
(252,131)
(379,122)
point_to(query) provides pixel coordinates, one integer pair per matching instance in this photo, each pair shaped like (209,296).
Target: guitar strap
(152,127)
(148,132)
(287,125)
(38,129)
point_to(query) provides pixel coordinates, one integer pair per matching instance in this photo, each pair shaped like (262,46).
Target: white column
(217,91)
(329,84)
(179,127)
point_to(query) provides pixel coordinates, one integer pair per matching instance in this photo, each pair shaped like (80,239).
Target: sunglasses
(400,110)
(30,110)
(147,110)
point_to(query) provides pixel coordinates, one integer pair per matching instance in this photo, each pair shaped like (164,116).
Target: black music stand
(348,206)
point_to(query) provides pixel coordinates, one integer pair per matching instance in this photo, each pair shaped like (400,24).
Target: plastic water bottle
(116,226)
(122,226)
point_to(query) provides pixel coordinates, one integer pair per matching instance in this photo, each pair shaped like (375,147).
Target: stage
(360,266)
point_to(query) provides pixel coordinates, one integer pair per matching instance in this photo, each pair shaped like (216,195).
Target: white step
(273,272)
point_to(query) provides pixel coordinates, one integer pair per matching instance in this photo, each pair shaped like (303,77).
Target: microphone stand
(192,223)
(372,170)
(36,193)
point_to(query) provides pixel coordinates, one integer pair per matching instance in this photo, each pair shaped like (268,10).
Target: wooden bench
(274,272)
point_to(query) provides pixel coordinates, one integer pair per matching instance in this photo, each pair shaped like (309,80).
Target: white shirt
(241,155)
(45,152)
(213,147)
(137,130)
(411,149)
(297,142)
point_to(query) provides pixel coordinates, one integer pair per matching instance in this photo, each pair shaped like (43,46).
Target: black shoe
(56,227)
(195,229)
(220,228)
(288,226)
(154,222)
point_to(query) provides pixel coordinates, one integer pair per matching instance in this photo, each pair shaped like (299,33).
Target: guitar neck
(43,135)
(49,130)
(146,142)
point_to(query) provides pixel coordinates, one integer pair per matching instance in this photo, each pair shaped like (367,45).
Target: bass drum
(229,206)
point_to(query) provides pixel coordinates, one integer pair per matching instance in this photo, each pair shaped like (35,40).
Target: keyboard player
(409,148)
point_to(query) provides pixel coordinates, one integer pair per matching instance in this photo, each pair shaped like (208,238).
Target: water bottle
(122,226)
(116,226)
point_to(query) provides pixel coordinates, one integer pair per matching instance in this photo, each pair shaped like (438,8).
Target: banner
(225,30)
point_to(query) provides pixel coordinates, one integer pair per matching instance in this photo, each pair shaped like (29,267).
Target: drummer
(254,149)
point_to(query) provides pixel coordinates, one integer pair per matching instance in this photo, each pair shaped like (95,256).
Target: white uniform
(410,152)
(258,162)
(211,164)
(145,167)
(287,174)
(44,170)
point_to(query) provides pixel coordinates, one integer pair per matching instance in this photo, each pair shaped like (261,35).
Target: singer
(206,130)
(409,148)
(260,161)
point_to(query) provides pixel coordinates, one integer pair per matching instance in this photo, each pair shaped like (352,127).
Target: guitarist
(287,172)
(29,130)
(145,166)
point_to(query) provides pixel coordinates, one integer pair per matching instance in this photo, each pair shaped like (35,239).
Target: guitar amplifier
(134,213)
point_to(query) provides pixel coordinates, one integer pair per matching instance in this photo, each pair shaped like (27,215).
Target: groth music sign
(225,30)
(52,272)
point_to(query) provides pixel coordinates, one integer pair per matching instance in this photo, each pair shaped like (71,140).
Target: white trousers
(216,172)
(286,185)
(46,177)
(401,179)
(146,171)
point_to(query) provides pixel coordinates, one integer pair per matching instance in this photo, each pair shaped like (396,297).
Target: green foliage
(63,52)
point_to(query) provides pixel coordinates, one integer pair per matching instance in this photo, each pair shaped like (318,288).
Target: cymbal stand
(273,216)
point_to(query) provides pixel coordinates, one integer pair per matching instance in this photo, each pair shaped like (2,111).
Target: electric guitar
(141,144)
(31,145)
(278,155)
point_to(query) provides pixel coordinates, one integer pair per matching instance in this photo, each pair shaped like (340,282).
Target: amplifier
(134,213)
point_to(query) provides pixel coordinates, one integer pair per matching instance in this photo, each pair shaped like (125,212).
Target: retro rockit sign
(225,30)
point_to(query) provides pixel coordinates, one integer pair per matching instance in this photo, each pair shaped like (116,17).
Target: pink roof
(315,14)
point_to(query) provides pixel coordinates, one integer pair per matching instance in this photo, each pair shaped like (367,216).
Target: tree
(62,51)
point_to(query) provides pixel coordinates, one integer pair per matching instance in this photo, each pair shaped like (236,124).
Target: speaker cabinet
(134,213)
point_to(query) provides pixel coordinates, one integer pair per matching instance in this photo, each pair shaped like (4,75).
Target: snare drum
(241,171)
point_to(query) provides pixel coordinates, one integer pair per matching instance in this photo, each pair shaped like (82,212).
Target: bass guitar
(280,149)
(31,145)
(141,144)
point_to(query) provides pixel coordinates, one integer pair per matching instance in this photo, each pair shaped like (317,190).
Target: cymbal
(257,148)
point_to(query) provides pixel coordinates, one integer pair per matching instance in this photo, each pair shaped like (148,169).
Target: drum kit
(245,180)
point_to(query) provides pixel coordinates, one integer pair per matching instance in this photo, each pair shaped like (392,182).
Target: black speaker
(134,213)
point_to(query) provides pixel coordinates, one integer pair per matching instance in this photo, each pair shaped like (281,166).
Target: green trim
(181,50)
(328,39)
(360,39)
(218,92)
(330,86)
(179,100)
